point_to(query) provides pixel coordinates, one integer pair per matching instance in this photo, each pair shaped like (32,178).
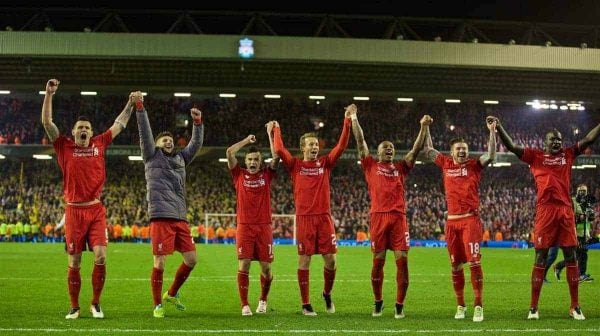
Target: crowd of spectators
(31,201)
(30,190)
(19,119)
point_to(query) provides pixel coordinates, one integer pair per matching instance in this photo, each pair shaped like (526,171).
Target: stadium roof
(485,23)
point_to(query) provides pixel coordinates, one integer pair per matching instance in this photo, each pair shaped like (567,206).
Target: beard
(172,153)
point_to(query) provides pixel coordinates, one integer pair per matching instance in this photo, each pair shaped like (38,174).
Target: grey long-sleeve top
(165,174)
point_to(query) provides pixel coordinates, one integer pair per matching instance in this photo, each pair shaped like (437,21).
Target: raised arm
(189,152)
(342,143)
(361,144)
(280,149)
(146,138)
(123,117)
(274,157)
(506,139)
(233,149)
(589,138)
(411,156)
(430,152)
(490,156)
(49,126)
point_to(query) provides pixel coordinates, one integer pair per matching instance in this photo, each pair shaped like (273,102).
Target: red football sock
(74,283)
(477,282)
(401,279)
(328,279)
(537,280)
(98,277)
(377,278)
(156,282)
(265,287)
(573,281)
(182,274)
(303,281)
(243,282)
(458,281)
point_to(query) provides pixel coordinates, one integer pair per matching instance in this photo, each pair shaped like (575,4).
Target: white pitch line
(299,331)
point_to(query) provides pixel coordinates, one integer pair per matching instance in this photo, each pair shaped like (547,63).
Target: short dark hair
(82,118)
(552,131)
(457,140)
(253,149)
(162,134)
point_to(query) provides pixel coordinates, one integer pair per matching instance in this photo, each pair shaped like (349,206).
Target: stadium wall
(309,49)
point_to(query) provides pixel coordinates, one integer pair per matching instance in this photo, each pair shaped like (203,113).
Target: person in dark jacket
(167,209)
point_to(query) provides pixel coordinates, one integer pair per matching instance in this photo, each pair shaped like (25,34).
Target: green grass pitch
(34,299)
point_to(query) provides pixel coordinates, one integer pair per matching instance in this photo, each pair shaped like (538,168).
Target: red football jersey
(253,192)
(311,185)
(83,168)
(386,184)
(552,174)
(461,182)
(310,179)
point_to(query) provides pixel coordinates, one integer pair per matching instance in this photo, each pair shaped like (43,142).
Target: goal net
(219,228)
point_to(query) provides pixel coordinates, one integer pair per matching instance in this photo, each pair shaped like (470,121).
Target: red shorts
(554,225)
(389,231)
(463,237)
(254,242)
(85,225)
(168,235)
(315,234)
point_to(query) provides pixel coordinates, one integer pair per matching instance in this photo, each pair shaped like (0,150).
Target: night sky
(585,12)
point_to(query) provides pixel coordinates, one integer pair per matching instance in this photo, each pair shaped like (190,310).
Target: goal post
(218,228)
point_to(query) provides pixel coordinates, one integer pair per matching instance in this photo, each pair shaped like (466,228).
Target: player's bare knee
(100,260)
(329,261)
(457,267)
(159,262)
(75,264)
(304,262)
(74,261)
(265,269)
(244,265)
(399,254)
(190,259)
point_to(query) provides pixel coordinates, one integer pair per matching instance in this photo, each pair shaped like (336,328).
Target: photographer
(584,216)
